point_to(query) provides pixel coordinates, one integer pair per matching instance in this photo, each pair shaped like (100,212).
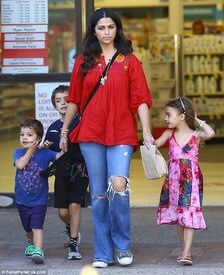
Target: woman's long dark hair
(91,46)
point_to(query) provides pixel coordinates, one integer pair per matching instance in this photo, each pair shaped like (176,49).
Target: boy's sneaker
(38,256)
(125,258)
(29,250)
(73,250)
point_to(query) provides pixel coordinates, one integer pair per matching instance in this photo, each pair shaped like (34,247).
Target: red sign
(24,36)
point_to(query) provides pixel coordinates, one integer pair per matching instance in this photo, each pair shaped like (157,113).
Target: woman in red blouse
(107,133)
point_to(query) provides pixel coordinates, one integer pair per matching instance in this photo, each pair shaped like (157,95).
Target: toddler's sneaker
(38,256)
(125,258)
(29,250)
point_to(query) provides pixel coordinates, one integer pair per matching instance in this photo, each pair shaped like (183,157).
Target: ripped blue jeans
(110,209)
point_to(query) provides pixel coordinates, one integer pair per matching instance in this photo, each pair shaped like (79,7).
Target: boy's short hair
(59,89)
(34,124)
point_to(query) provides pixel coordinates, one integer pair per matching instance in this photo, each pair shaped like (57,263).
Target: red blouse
(109,118)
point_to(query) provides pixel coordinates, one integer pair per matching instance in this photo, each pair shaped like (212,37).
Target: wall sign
(45,111)
(24,36)
(199,11)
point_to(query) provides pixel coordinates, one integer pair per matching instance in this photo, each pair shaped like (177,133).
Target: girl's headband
(182,105)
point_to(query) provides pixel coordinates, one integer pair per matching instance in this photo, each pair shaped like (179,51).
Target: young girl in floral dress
(182,190)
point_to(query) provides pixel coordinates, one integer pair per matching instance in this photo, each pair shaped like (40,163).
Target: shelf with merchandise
(208,106)
(202,3)
(210,109)
(203,77)
(17,102)
(161,48)
(204,53)
(210,11)
(161,62)
(205,73)
(209,114)
(162,78)
(205,85)
(203,64)
(204,95)
(206,44)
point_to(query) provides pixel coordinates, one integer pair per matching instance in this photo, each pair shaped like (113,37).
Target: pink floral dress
(182,190)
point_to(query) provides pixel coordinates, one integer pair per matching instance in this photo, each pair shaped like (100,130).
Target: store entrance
(143,192)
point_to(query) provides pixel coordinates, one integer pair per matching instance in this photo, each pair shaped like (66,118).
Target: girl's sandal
(179,257)
(186,260)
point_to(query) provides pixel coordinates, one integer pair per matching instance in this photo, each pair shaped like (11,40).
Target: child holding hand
(69,190)
(182,190)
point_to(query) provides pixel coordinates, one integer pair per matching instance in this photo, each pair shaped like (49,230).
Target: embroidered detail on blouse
(120,58)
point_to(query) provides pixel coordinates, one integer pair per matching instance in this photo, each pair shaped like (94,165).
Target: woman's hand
(148,139)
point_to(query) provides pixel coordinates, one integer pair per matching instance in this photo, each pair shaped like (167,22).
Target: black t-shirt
(53,135)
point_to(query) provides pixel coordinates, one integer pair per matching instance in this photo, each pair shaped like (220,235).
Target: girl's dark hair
(183,106)
(57,90)
(34,124)
(91,46)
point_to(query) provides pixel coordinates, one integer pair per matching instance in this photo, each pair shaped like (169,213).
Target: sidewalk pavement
(154,247)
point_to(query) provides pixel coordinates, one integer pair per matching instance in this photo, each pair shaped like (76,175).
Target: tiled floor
(144,192)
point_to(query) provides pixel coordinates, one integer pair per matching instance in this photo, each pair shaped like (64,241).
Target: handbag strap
(98,82)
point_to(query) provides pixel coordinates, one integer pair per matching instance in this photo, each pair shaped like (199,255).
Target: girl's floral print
(182,190)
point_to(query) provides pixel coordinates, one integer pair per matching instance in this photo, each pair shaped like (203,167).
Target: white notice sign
(45,111)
